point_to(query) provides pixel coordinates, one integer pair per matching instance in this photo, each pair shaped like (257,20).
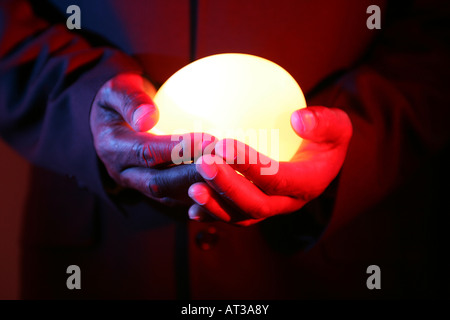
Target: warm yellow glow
(236,96)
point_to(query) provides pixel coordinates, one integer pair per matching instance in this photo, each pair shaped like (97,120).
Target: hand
(121,114)
(249,197)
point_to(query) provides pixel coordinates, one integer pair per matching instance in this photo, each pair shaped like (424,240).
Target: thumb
(144,116)
(129,95)
(322,125)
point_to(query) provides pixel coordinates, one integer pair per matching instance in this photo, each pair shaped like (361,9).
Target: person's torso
(310,39)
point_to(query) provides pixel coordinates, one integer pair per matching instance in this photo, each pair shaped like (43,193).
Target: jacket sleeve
(397,99)
(48,79)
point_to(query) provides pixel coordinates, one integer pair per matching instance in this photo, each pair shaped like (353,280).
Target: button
(207,239)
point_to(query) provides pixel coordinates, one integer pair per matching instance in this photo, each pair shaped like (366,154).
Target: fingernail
(207,170)
(145,117)
(199,195)
(155,191)
(303,120)
(194,214)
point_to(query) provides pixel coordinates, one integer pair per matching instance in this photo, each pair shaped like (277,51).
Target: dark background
(14,172)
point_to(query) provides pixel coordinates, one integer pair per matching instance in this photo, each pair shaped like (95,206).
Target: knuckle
(277,185)
(138,150)
(154,156)
(155,186)
(227,191)
(146,154)
(157,154)
(261,211)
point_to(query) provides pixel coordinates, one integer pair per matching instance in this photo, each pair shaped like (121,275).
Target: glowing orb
(237,96)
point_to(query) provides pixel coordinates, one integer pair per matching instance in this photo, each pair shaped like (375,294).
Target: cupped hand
(258,191)
(122,113)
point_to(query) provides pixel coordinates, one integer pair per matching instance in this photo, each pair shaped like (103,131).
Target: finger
(200,214)
(192,146)
(238,190)
(210,207)
(144,116)
(321,124)
(128,95)
(257,167)
(170,183)
(303,176)
(125,148)
(211,203)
